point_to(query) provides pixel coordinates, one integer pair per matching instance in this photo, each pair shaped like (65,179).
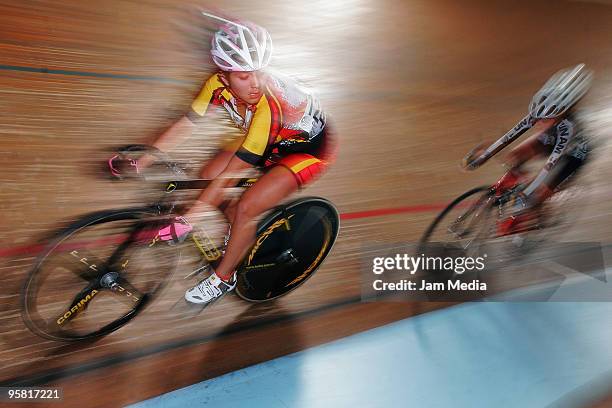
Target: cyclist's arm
(175,134)
(531,147)
(565,133)
(260,132)
(472,163)
(248,155)
(184,127)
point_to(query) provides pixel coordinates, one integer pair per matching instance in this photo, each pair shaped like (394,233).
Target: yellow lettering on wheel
(154,241)
(316,261)
(77,308)
(264,235)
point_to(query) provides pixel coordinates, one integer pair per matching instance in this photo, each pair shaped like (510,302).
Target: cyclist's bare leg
(213,168)
(229,209)
(211,171)
(268,191)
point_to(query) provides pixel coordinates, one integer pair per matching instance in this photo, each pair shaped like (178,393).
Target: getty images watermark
(450,276)
(556,271)
(449,270)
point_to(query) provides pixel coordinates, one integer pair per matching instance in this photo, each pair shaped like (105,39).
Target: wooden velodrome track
(412,86)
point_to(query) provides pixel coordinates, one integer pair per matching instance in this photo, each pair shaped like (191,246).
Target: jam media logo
(555,271)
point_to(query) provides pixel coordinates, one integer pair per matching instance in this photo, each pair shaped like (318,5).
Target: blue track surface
(472,355)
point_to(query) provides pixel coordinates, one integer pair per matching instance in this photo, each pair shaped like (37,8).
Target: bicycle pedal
(206,246)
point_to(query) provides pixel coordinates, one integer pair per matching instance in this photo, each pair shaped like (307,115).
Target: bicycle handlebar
(160,157)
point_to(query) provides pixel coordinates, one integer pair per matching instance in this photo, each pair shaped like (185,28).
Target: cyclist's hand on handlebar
(121,168)
(468,160)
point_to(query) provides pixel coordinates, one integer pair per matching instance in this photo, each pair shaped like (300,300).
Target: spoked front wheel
(455,244)
(291,244)
(463,223)
(96,275)
(470,226)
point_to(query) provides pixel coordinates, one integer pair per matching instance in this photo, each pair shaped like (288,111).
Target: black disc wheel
(291,244)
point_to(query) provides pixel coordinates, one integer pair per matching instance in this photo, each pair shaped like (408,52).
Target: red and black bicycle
(484,219)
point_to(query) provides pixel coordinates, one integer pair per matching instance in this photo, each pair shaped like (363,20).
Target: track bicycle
(98,273)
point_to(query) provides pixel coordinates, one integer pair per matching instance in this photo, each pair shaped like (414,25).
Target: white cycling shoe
(210,289)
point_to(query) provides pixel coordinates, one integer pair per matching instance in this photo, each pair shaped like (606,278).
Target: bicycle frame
(166,206)
(497,195)
(138,227)
(202,240)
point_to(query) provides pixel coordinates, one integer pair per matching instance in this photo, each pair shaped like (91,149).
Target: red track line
(22,250)
(33,249)
(388,211)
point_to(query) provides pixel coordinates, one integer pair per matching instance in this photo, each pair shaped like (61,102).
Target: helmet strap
(224,78)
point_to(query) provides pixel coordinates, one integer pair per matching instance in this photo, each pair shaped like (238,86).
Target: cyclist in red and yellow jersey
(286,134)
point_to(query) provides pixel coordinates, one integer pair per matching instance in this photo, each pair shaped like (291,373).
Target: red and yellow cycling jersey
(286,112)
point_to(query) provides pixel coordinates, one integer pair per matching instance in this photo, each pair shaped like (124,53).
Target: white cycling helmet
(561,92)
(241,47)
